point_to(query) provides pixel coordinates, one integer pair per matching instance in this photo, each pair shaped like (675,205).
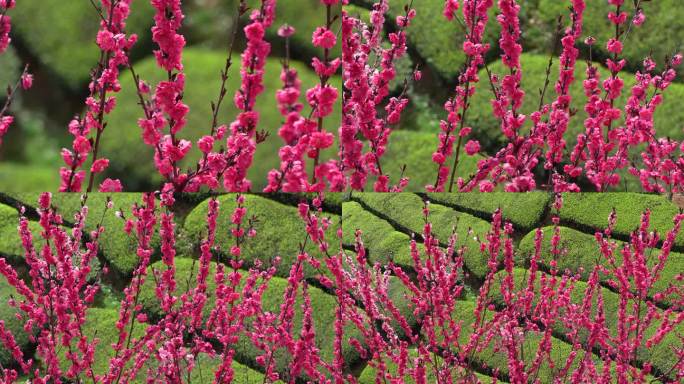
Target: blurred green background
(57,39)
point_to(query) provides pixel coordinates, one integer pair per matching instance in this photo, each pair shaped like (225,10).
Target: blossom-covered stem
(475,14)
(5,119)
(114,47)
(323,78)
(5,24)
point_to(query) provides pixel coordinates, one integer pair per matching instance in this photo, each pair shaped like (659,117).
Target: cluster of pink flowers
(5,24)
(87,131)
(366,79)
(166,107)
(600,153)
(211,316)
(475,16)
(521,317)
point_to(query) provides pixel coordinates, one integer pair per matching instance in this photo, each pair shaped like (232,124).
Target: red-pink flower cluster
(5,24)
(368,71)
(475,16)
(114,46)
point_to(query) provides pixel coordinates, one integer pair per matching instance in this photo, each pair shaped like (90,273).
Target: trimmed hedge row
(581,252)
(202,70)
(101,325)
(662,356)
(62,34)
(369,373)
(524,210)
(117,248)
(323,315)
(279,229)
(668,116)
(383,242)
(12,324)
(489,359)
(405,210)
(591,211)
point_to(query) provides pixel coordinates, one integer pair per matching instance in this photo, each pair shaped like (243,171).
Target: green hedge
(660,35)
(101,325)
(202,70)
(369,373)
(115,245)
(414,150)
(490,359)
(405,209)
(12,324)
(591,210)
(580,252)
(524,210)
(662,355)
(11,247)
(323,315)
(279,231)
(383,242)
(668,116)
(62,34)
(13,177)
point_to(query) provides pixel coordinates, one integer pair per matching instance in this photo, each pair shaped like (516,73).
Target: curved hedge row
(279,229)
(202,70)
(8,315)
(323,315)
(591,210)
(662,355)
(524,210)
(581,252)
(382,241)
(117,248)
(405,210)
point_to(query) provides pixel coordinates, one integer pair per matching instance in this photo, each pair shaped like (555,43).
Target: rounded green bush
(580,252)
(323,315)
(383,242)
(11,247)
(661,355)
(279,231)
(369,373)
(660,35)
(62,34)
(405,211)
(117,248)
(202,70)
(591,211)
(12,324)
